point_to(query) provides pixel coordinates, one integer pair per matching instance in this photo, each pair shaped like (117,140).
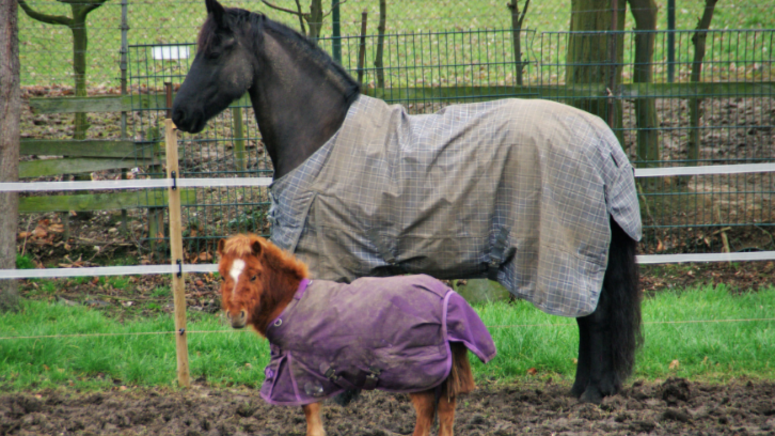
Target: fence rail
(175,183)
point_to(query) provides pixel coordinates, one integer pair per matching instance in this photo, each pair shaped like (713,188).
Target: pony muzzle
(238,320)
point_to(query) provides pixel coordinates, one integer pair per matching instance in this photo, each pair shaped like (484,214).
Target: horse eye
(253,279)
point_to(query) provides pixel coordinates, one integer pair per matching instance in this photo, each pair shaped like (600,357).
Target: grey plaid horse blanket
(519,191)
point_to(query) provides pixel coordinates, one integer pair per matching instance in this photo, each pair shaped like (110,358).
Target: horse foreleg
(425,406)
(447,415)
(314,423)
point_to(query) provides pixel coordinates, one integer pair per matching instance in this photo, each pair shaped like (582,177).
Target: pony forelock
(241,245)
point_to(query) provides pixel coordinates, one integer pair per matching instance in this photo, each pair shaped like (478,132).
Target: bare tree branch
(299,13)
(45,18)
(524,12)
(301,16)
(97,4)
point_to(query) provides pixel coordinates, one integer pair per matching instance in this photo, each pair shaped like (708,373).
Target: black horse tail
(624,302)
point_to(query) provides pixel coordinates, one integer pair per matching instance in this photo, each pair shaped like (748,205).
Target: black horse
(301,98)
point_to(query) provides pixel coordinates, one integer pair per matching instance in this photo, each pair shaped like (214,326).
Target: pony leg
(425,406)
(314,423)
(609,337)
(447,415)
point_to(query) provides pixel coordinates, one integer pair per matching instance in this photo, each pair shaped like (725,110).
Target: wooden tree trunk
(378,61)
(80,45)
(693,147)
(10,103)
(648,153)
(516,36)
(589,57)
(81,122)
(315,20)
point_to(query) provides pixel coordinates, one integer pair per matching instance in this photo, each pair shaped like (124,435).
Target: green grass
(91,362)
(714,351)
(526,338)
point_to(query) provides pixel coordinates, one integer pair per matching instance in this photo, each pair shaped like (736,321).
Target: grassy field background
(46,53)
(531,344)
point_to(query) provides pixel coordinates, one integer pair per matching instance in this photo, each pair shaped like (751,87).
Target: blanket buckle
(331,374)
(500,254)
(372,378)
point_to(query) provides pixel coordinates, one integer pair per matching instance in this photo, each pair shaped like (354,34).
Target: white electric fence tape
(48,273)
(646,259)
(99,185)
(267,181)
(651,259)
(705,170)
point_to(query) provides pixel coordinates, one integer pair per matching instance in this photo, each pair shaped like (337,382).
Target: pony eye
(253,279)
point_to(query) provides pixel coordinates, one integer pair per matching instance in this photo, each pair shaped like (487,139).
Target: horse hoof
(591,395)
(577,390)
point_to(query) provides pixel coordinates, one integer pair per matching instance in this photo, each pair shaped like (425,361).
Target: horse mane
(259,23)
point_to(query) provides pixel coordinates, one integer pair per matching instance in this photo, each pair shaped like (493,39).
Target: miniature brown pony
(268,289)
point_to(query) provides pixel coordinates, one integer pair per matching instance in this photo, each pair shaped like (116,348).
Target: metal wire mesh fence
(438,53)
(428,70)
(229,146)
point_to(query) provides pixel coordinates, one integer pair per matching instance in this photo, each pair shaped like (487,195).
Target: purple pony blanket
(390,334)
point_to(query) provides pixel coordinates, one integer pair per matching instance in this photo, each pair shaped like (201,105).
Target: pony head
(258,280)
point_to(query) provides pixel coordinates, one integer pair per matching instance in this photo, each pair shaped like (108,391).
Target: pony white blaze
(236,269)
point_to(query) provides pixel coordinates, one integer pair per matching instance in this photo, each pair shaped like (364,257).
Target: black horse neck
(300,97)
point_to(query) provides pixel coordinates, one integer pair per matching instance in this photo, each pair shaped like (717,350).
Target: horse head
(223,68)
(300,96)
(258,280)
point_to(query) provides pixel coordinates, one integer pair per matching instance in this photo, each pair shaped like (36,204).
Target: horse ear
(256,247)
(221,244)
(215,8)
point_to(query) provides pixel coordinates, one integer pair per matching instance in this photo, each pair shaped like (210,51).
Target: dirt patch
(673,407)
(738,277)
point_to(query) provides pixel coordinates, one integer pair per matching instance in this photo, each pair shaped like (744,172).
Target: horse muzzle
(188,121)
(239,320)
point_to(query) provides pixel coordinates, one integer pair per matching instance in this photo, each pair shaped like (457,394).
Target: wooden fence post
(239,141)
(176,255)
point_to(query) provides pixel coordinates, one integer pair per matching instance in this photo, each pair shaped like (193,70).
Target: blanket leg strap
(500,254)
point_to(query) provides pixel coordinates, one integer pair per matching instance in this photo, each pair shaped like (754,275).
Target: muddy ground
(673,407)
